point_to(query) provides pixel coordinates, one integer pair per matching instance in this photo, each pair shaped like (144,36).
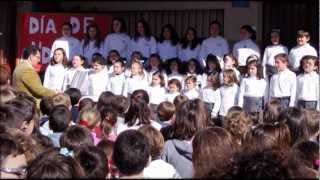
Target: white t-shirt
(54,76)
(160,169)
(70,44)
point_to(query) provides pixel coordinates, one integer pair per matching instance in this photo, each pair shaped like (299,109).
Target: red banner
(41,29)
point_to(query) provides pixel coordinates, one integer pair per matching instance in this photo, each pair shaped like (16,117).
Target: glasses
(20,172)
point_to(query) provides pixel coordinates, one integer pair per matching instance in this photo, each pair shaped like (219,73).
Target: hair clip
(64,151)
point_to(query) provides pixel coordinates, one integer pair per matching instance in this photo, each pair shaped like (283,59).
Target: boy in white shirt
(117,78)
(303,48)
(283,84)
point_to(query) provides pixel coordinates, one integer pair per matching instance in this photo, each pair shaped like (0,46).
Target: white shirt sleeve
(241,93)
(47,77)
(217,104)
(293,91)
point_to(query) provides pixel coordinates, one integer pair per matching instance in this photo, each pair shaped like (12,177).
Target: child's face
(244,34)
(117,68)
(190,85)
(280,65)
(166,34)
(211,65)
(210,81)
(135,69)
(97,67)
(275,39)
(226,79)
(174,66)
(192,67)
(214,30)
(190,35)
(76,62)
(66,31)
(58,56)
(116,26)
(302,40)
(252,70)
(113,57)
(140,28)
(156,80)
(228,62)
(154,62)
(92,32)
(308,66)
(173,88)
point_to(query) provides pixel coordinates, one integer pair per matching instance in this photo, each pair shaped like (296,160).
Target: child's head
(303,37)
(74,94)
(93,161)
(306,152)
(121,104)
(113,56)
(78,61)
(229,61)
(59,57)
(313,119)
(281,61)
(229,77)
(191,117)
(61,99)
(247,32)
(46,105)
(174,65)
(237,123)
(106,98)
(66,29)
(136,68)
(109,117)
(191,82)
(107,147)
(193,66)
(271,112)
(214,28)
(59,118)
(76,137)
(97,62)
(308,64)
(174,85)
(157,79)
(90,118)
(213,81)
(139,109)
(213,149)
(54,164)
(254,69)
(118,67)
(136,56)
(178,100)
(212,64)
(86,103)
(131,152)
(154,61)
(12,157)
(275,36)
(165,111)
(156,140)
(6,94)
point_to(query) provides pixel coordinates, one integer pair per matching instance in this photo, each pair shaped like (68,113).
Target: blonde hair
(91,116)
(230,73)
(61,99)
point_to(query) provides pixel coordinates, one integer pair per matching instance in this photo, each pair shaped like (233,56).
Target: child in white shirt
(174,70)
(174,88)
(117,79)
(283,84)
(167,46)
(55,72)
(156,91)
(245,47)
(303,48)
(229,92)
(270,51)
(98,77)
(191,88)
(308,94)
(230,62)
(194,69)
(211,94)
(212,67)
(253,88)
(190,46)
(153,65)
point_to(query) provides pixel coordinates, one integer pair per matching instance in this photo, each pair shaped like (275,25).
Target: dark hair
(259,165)
(59,118)
(109,117)
(5,75)
(174,35)
(67,24)
(160,75)
(191,117)
(86,103)
(9,146)
(178,100)
(271,111)
(76,137)
(98,58)
(303,33)
(313,119)
(196,62)
(217,23)
(131,152)
(65,59)
(172,60)
(146,28)
(93,161)
(82,58)
(154,55)
(30,50)
(266,136)
(156,140)
(52,164)
(120,62)
(213,149)
(257,65)
(213,59)
(105,99)
(109,61)
(11,116)
(175,82)
(97,38)
(123,27)
(75,95)
(250,30)
(215,76)
(297,122)
(194,42)
(283,57)
(305,58)
(138,109)
(46,105)
(307,152)
(121,104)
(165,110)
